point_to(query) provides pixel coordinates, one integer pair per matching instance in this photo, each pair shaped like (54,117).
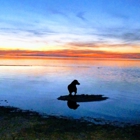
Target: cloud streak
(81,15)
(67,53)
(57,12)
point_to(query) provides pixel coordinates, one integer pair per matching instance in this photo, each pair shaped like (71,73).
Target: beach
(17,124)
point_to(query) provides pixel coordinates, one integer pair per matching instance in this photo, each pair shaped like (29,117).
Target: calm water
(37,83)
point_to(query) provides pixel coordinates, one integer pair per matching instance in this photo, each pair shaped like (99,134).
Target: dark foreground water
(37,83)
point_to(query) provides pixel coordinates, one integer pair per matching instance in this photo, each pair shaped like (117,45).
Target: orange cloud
(105,47)
(67,53)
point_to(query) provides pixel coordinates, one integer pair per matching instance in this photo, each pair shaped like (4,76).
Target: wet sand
(17,124)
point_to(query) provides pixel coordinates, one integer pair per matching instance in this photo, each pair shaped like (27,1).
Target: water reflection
(36,84)
(72,104)
(73,99)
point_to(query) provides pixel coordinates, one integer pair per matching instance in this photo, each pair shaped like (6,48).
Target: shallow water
(37,83)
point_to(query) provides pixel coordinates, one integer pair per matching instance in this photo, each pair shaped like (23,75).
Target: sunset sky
(88,28)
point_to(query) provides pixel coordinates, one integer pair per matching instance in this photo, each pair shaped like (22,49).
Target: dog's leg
(75,91)
(70,94)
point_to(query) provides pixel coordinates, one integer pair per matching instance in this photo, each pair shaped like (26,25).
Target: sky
(86,28)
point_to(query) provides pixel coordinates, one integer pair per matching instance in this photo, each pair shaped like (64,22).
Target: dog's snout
(77,83)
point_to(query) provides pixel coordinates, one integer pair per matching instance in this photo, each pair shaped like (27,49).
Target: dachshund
(72,87)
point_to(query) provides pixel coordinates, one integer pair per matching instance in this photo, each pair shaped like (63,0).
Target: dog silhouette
(72,87)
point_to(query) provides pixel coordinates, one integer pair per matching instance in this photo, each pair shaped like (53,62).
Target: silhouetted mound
(82,98)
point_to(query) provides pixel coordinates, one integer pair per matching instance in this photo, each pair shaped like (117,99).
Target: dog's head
(75,82)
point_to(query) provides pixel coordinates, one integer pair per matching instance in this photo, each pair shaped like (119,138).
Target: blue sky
(104,25)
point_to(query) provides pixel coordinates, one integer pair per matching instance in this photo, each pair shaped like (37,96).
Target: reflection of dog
(72,87)
(72,105)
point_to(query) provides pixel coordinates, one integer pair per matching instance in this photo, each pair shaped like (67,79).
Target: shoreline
(21,124)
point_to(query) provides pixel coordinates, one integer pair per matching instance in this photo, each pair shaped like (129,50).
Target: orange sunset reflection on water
(34,67)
